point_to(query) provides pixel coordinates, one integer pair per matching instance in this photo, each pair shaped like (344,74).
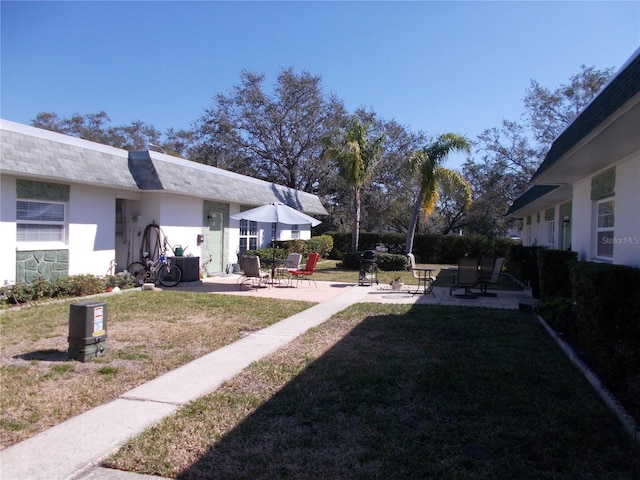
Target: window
(248,235)
(604,228)
(550,227)
(295,232)
(40,221)
(550,232)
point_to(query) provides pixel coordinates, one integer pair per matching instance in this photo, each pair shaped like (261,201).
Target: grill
(368,268)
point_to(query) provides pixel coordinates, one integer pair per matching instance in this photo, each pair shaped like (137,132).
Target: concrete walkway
(74,448)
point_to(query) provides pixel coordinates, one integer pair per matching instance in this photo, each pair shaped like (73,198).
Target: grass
(330,270)
(397,391)
(148,334)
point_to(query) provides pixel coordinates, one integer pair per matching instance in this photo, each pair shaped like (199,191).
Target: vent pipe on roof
(153,146)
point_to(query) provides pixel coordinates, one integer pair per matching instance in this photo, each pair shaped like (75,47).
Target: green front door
(213,247)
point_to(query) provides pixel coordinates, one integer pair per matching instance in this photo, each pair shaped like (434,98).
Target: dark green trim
(603,185)
(549,214)
(53,192)
(624,86)
(531,195)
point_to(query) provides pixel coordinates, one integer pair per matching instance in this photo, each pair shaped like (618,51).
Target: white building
(69,206)
(586,194)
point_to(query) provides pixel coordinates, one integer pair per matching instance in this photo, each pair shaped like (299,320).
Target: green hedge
(522,263)
(607,301)
(71,286)
(386,262)
(553,271)
(428,248)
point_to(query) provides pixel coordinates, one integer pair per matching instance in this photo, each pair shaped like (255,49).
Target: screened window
(40,221)
(550,232)
(604,229)
(248,235)
(295,232)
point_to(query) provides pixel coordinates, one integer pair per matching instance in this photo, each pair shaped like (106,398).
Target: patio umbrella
(276,212)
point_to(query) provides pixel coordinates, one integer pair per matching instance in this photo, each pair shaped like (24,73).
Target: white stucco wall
(90,233)
(91,237)
(7,229)
(581,221)
(626,250)
(181,221)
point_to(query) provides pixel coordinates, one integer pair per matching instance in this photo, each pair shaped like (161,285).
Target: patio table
(275,265)
(424,275)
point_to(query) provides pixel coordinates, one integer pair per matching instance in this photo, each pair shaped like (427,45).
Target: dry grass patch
(397,391)
(148,334)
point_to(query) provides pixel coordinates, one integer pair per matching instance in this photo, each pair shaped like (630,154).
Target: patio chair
(466,277)
(309,269)
(253,272)
(423,275)
(291,263)
(490,276)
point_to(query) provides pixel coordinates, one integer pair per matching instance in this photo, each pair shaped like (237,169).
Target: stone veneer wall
(35,265)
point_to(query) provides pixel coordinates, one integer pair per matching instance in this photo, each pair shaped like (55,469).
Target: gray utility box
(87,330)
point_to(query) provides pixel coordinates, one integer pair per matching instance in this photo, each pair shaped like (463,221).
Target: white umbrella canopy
(276,213)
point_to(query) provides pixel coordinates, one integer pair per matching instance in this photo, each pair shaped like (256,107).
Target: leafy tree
(427,164)
(454,198)
(511,153)
(356,157)
(91,126)
(94,127)
(178,142)
(275,136)
(549,112)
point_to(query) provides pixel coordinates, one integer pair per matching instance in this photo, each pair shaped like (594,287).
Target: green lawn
(398,391)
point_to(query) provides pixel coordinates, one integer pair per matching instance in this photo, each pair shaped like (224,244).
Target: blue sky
(432,66)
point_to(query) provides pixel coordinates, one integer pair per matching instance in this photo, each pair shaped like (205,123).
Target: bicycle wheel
(169,275)
(138,271)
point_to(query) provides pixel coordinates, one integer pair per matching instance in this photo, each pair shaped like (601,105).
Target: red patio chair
(308,270)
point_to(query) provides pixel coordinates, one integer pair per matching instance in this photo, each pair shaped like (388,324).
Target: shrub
(267,253)
(560,314)
(431,248)
(522,263)
(292,246)
(351,260)
(553,268)
(608,316)
(322,244)
(72,286)
(391,262)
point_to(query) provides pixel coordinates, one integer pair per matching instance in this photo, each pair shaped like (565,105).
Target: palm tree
(356,157)
(427,163)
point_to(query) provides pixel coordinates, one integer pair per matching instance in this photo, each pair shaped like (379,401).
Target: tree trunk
(415,212)
(355,237)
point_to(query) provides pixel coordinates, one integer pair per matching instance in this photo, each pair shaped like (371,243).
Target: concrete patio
(377,293)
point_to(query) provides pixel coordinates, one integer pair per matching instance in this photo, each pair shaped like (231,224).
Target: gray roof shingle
(34,152)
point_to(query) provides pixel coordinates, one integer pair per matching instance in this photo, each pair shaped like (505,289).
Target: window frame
(606,217)
(550,232)
(248,235)
(23,236)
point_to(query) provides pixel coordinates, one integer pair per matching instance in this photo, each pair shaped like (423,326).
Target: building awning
(531,195)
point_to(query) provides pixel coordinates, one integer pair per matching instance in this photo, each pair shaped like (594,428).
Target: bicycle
(160,270)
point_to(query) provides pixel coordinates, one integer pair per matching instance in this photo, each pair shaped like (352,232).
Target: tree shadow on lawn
(436,392)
